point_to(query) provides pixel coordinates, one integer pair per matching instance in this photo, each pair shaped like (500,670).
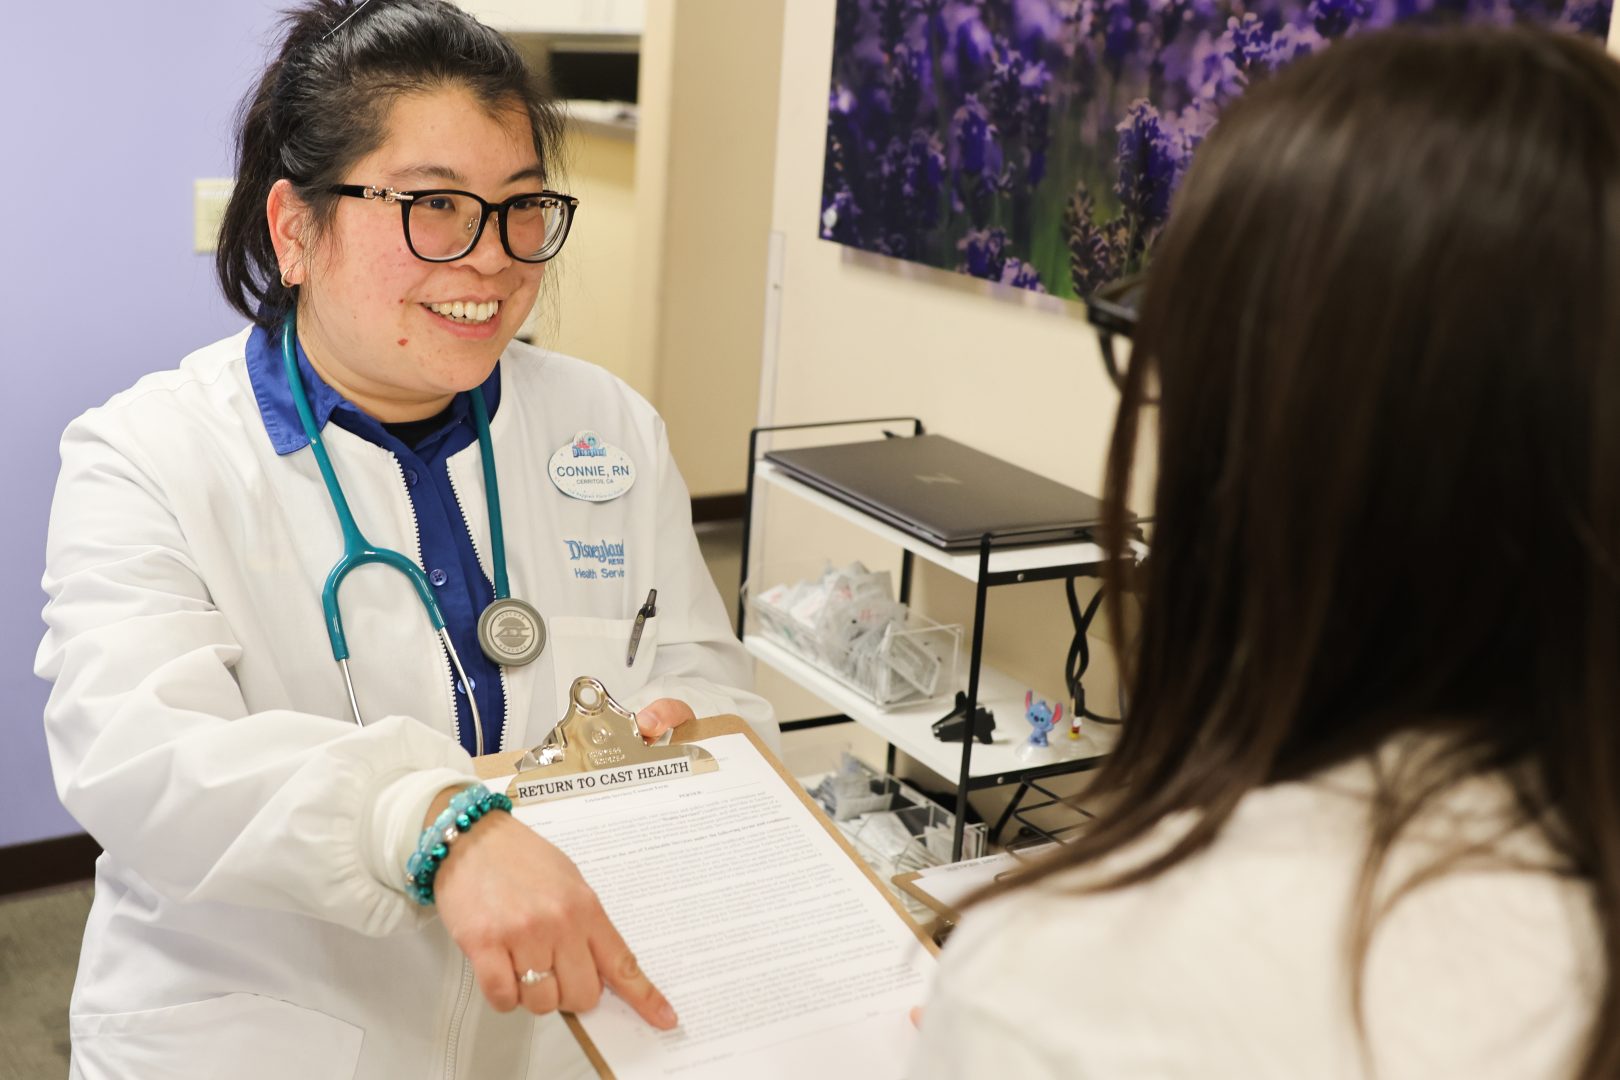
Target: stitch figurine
(1042,719)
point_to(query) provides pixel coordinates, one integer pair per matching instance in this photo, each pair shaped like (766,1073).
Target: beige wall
(860,335)
(645,273)
(584,313)
(1012,373)
(714,108)
(662,281)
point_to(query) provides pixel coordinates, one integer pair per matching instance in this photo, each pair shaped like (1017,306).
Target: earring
(285,284)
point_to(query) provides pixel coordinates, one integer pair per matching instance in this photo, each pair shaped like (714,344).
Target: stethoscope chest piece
(511,632)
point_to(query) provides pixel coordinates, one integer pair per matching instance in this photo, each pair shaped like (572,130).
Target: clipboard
(963,879)
(907,883)
(598,738)
(598,747)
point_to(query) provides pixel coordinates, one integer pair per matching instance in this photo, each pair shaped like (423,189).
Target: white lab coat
(249,919)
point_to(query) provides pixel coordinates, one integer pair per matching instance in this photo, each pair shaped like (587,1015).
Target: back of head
(1382,330)
(1389,457)
(323,102)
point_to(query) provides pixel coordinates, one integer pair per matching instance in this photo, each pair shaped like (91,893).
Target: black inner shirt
(415,432)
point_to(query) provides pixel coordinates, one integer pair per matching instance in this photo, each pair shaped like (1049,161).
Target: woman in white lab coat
(252,916)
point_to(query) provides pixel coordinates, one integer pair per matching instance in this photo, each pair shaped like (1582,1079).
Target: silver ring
(533,977)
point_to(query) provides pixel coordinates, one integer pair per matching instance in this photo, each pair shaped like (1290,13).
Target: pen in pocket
(648,610)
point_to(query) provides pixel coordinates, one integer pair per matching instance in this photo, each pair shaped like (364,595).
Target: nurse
(257,800)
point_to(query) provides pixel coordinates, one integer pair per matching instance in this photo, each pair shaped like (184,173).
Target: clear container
(906,661)
(913,838)
(894,828)
(854,789)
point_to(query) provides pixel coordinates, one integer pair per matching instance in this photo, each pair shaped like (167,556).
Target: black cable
(1079,659)
(1079,647)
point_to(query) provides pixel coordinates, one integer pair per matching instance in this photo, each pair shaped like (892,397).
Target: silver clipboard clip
(597,747)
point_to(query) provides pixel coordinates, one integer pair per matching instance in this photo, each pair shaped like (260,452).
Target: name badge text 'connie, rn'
(589,469)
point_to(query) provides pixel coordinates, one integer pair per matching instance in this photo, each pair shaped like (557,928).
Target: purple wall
(112,110)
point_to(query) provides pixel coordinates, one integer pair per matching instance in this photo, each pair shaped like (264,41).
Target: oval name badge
(589,469)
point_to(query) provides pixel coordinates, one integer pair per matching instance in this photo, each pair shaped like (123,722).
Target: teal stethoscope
(509,631)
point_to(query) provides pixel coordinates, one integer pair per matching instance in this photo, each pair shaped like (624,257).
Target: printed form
(780,956)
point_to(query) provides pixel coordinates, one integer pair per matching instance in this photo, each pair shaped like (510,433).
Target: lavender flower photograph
(1038,142)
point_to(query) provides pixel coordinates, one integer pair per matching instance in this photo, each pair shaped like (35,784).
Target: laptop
(944,493)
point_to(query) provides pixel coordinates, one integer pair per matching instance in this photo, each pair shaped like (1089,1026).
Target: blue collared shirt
(452,566)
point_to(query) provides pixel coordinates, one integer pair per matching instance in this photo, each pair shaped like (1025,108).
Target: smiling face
(377,322)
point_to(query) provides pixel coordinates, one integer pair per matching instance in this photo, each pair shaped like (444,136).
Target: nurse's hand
(513,902)
(662,715)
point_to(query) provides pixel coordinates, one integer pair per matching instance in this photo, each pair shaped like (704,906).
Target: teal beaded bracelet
(466,807)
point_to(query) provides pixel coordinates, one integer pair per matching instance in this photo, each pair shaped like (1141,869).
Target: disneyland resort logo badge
(587,445)
(596,559)
(589,468)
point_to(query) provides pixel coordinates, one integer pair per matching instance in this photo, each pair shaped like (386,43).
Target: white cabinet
(561,17)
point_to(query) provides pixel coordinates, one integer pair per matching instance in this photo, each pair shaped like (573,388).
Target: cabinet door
(560,16)
(625,16)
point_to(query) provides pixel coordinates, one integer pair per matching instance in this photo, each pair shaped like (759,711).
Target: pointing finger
(621,972)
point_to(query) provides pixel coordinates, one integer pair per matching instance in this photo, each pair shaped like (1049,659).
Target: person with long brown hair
(1363,818)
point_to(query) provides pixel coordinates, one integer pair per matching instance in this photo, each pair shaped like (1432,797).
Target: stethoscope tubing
(358,551)
(492,491)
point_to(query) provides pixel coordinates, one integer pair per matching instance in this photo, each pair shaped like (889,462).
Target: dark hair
(1382,324)
(323,103)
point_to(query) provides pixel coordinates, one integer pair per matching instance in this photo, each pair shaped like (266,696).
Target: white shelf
(962,564)
(910,731)
(615,119)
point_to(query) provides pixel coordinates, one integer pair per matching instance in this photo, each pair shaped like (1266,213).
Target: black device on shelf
(953,725)
(944,493)
(593,73)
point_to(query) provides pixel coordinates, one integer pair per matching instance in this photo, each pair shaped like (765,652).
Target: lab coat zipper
(452,1044)
(416,541)
(458,1014)
(506,691)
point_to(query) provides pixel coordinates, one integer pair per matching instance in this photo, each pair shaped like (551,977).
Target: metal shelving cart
(971,766)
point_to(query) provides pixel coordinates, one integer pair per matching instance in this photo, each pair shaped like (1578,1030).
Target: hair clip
(346,20)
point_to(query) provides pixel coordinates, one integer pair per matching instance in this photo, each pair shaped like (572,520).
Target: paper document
(780,955)
(944,887)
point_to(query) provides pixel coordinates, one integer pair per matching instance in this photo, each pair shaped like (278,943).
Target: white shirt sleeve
(155,752)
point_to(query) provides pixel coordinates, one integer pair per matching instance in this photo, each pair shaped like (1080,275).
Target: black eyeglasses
(1112,310)
(443,225)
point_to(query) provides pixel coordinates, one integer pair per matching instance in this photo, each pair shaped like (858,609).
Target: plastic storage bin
(910,659)
(893,827)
